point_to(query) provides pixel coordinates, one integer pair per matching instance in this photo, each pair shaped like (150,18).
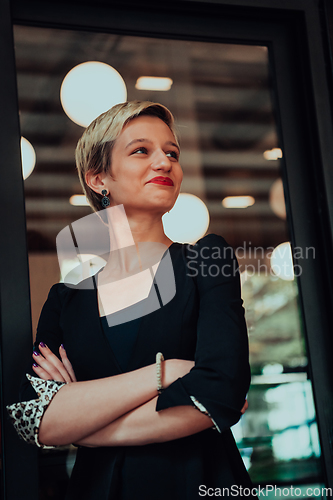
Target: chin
(163,206)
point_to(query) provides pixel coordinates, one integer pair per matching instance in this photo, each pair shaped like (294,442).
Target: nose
(160,161)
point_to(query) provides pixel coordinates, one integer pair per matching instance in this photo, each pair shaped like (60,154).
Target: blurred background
(222,99)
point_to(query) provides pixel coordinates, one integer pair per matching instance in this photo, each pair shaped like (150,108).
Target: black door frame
(293,32)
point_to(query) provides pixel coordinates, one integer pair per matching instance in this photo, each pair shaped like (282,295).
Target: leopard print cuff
(27,415)
(206,412)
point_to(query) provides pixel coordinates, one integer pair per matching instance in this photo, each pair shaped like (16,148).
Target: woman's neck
(126,235)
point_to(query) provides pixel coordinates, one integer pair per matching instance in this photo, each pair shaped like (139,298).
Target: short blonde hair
(94,149)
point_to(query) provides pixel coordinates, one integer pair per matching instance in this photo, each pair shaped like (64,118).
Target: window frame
(301,70)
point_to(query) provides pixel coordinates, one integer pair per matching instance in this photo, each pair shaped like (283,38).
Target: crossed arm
(114,411)
(117,410)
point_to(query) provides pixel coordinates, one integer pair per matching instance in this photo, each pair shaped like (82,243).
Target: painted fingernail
(42,344)
(63,347)
(35,365)
(36,353)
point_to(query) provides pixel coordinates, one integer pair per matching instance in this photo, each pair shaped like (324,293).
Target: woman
(135,441)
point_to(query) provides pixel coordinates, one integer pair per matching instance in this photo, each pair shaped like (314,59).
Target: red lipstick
(165,181)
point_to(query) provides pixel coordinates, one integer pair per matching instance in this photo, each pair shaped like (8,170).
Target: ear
(96,182)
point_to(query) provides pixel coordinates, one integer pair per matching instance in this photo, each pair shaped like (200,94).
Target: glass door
(246,80)
(222,97)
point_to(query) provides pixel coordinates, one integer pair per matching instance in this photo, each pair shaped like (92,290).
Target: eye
(140,151)
(173,154)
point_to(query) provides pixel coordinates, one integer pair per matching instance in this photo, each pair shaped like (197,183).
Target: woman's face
(145,149)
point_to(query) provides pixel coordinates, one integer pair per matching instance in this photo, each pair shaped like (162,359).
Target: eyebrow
(169,143)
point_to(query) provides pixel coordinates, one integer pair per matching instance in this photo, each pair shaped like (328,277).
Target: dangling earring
(105,201)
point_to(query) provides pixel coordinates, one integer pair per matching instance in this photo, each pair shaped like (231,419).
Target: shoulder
(64,291)
(59,294)
(212,262)
(58,298)
(212,238)
(210,247)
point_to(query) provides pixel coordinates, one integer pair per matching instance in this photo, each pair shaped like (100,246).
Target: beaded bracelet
(159,359)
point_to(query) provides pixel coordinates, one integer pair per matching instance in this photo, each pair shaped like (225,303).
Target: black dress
(121,338)
(203,322)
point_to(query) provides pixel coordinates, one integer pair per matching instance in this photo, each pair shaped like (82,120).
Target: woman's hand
(245,407)
(48,367)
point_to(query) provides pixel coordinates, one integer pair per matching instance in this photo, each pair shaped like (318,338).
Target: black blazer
(203,322)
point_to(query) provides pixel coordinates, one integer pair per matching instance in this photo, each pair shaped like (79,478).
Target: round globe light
(28,156)
(276,199)
(79,200)
(90,89)
(188,220)
(272,369)
(282,261)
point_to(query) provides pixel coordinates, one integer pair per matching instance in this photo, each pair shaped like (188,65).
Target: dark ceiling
(221,98)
